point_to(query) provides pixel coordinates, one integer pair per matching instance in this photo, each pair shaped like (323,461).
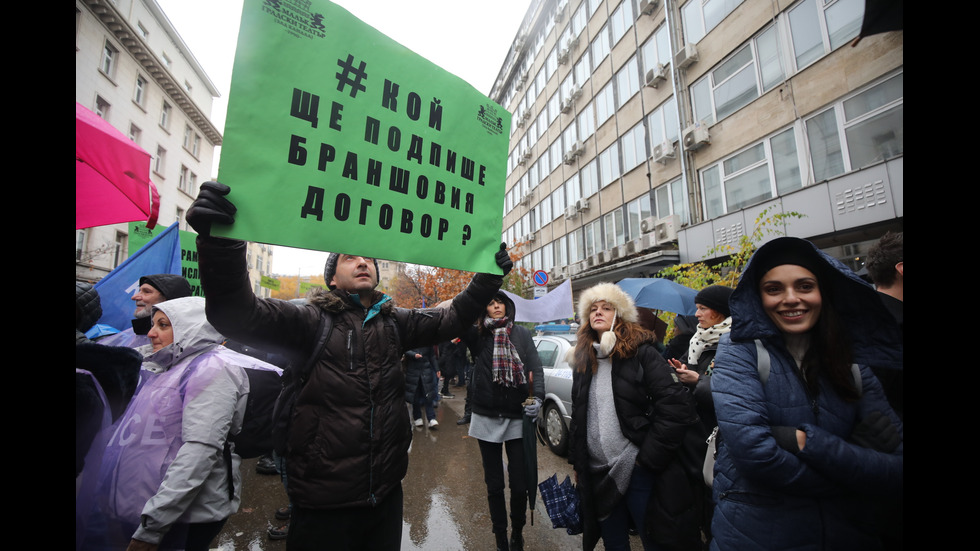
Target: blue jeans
(615,528)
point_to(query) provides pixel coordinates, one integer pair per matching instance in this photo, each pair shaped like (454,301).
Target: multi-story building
(646,132)
(133,69)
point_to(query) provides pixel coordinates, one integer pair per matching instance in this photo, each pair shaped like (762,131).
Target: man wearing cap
(349,433)
(153,289)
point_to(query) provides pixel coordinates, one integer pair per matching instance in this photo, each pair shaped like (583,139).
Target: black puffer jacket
(494,400)
(655,412)
(350,430)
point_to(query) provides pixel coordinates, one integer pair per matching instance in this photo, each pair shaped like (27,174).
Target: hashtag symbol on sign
(344,77)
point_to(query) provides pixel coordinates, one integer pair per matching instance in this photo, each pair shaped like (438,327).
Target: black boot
(516,540)
(502,541)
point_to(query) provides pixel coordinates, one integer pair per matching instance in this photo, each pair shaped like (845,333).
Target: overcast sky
(468,38)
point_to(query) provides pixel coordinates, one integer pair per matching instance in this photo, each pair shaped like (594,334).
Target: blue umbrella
(660,294)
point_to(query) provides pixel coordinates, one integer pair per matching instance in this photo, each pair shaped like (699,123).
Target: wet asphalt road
(445,497)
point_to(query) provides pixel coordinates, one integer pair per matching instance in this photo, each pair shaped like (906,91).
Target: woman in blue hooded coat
(809,447)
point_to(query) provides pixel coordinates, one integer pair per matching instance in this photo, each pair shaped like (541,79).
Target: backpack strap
(764,365)
(323,333)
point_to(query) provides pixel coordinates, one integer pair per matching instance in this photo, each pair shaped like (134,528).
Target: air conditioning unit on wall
(647,7)
(666,228)
(663,151)
(686,57)
(696,136)
(656,75)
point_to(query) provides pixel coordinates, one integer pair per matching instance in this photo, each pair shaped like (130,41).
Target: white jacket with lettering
(164,466)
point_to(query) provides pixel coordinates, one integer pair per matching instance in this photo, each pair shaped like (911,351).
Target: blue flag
(160,256)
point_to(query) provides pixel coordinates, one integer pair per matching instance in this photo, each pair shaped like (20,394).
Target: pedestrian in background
(420,365)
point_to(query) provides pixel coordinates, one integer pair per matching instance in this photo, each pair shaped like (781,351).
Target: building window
(167,61)
(600,46)
(609,168)
(586,122)
(739,79)
(821,27)
(196,145)
(583,68)
(135,133)
(636,211)
(108,63)
(700,16)
(656,50)
(165,115)
(669,199)
(79,244)
(590,178)
(102,107)
(187,136)
(142,30)
(120,249)
(621,20)
(160,160)
(747,177)
(662,124)
(614,229)
(139,94)
(633,145)
(184,180)
(861,130)
(605,103)
(628,80)
(188,87)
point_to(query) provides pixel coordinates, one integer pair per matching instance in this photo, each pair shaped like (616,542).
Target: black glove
(876,432)
(503,259)
(210,206)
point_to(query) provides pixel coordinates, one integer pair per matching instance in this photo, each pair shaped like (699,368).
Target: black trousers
(493,475)
(353,528)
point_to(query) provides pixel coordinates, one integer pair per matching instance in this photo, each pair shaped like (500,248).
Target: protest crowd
(775,423)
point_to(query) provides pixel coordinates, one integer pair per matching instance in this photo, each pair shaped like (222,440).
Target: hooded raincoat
(820,497)
(164,467)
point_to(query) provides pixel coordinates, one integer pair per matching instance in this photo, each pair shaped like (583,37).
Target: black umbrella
(530,449)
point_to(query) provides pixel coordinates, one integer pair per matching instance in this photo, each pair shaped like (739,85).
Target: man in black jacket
(347,444)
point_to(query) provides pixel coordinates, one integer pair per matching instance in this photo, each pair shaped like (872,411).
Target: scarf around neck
(704,339)
(507,368)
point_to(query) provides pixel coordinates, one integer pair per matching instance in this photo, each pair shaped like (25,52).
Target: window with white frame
(558,202)
(627,80)
(586,122)
(662,124)
(121,249)
(592,237)
(547,256)
(605,103)
(556,152)
(745,75)
(196,145)
(613,229)
(544,212)
(863,129)
(572,190)
(165,115)
(636,211)
(600,46)
(583,68)
(752,175)
(139,93)
(820,26)
(160,161)
(551,63)
(609,167)
(656,49)
(135,134)
(669,199)
(700,16)
(188,133)
(633,146)
(108,62)
(102,107)
(621,20)
(554,107)
(590,178)
(183,178)
(579,19)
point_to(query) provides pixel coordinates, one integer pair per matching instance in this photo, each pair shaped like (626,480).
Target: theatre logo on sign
(296,18)
(490,120)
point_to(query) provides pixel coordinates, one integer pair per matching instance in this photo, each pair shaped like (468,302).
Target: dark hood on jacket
(873,330)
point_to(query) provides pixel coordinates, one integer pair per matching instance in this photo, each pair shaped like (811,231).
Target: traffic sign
(540,277)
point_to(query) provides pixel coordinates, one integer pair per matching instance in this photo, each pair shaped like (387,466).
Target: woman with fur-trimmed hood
(629,416)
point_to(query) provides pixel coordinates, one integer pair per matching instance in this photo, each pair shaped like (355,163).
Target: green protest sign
(269,283)
(340,139)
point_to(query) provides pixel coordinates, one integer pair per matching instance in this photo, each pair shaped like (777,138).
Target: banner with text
(340,139)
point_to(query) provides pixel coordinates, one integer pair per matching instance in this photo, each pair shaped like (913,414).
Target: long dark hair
(830,353)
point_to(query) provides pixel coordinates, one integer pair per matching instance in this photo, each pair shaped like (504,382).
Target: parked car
(557,415)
